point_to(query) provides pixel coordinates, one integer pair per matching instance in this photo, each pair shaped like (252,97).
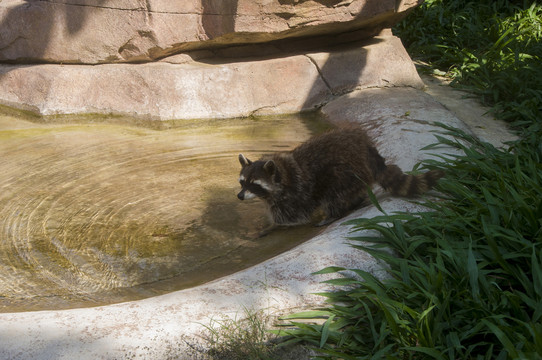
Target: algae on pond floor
(94,212)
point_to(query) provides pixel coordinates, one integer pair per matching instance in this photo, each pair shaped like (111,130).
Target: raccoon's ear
(244,161)
(270,167)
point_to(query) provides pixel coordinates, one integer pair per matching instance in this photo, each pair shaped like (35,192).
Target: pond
(96,210)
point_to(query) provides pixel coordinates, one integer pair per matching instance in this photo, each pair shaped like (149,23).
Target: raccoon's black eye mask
(252,183)
(252,186)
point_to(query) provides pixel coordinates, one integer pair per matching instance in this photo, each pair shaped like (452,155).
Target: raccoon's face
(257,179)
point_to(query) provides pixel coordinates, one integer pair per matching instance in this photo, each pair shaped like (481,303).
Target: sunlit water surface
(95,211)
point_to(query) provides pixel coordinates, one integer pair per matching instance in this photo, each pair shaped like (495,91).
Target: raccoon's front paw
(266,231)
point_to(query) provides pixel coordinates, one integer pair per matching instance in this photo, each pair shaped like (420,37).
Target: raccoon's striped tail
(392,179)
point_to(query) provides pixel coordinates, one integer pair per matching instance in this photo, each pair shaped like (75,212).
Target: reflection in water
(95,212)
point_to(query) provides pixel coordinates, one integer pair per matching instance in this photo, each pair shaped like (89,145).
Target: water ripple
(99,213)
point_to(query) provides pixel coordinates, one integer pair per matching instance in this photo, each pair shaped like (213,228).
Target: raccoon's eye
(262,184)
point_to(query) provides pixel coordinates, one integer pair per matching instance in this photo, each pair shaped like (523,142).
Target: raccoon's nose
(241,195)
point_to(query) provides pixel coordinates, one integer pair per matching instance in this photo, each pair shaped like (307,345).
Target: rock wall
(164,90)
(106,31)
(167,59)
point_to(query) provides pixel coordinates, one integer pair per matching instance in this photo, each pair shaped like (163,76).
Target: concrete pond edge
(401,122)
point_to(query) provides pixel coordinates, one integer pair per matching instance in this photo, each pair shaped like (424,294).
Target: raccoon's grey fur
(330,171)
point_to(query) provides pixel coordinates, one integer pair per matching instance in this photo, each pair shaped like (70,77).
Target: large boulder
(179,89)
(108,31)
(183,59)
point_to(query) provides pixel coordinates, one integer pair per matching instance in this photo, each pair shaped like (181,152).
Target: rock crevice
(321,75)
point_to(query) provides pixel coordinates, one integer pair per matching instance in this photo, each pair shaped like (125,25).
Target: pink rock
(186,89)
(99,31)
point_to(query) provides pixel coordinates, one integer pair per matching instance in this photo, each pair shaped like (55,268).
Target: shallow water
(96,211)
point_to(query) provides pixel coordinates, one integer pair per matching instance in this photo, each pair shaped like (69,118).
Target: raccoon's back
(340,148)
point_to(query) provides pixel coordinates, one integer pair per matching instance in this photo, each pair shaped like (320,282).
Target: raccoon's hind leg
(335,211)
(326,221)
(342,196)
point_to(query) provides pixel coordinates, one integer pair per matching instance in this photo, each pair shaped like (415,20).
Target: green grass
(246,337)
(239,339)
(464,277)
(490,47)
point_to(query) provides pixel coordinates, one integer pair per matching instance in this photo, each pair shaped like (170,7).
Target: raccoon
(330,172)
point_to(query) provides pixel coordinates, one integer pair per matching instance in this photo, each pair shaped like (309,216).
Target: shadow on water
(93,212)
